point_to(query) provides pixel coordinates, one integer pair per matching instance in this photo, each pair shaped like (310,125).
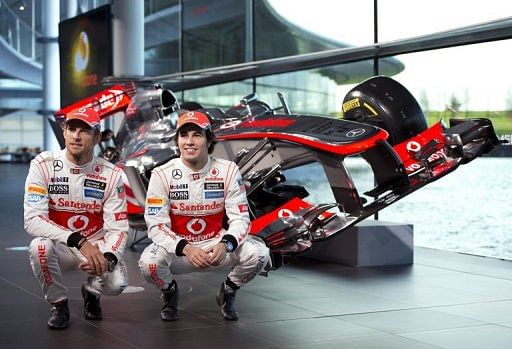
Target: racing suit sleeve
(157,213)
(237,209)
(35,204)
(115,218)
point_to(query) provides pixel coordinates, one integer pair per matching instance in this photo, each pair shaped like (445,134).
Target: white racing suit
(185,207)
(62,198)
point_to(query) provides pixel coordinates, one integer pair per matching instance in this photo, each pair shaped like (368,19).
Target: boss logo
(58,189)
(179,195)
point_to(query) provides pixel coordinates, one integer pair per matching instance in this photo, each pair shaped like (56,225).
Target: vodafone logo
(413,146)
(214,172)
(196,226)
(97,169)
(284,213)
(78,222)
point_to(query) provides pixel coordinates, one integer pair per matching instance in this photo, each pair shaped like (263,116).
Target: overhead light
(22,7)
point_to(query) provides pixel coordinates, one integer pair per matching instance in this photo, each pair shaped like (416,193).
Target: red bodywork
(106,102)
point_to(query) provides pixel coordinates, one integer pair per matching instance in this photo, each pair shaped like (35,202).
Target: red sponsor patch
(75,171)
(243,208)
(121,216)
(195,176)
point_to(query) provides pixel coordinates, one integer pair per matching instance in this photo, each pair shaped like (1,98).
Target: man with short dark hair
(186,203)
(75,207)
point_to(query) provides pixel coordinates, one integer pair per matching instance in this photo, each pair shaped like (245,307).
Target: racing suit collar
(72,165)
(202,170)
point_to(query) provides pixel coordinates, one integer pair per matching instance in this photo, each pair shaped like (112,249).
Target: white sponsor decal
(78,222)
(284,213)
(231,124)
(355,133)
(413,146)
(196,226)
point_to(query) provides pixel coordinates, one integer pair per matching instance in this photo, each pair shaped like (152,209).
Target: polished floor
(444,300)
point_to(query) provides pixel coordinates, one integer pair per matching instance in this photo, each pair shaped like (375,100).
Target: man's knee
(146,262)
(41,247)
(149,267)
(255,252)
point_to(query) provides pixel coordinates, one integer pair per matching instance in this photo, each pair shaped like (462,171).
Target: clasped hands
(199,258)
(96,263)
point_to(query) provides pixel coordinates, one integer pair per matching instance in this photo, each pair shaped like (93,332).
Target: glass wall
(399,19)
(222,96)
(306,92)
(213,33)
(20,129)
(281,28)
(341,22)
(466,81)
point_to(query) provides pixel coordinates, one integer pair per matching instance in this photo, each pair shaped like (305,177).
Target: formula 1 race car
(382,124)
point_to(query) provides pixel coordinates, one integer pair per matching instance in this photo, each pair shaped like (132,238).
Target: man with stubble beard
(75,208)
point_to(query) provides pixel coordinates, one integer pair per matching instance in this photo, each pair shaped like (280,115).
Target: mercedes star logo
(176,174)
(355,133)
(57,165)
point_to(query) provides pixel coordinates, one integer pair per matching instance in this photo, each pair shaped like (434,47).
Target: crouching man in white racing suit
(75,207)
(186,202)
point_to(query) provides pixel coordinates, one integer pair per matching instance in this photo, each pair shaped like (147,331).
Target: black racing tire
(383,102)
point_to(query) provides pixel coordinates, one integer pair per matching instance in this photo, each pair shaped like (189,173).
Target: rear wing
(106,102)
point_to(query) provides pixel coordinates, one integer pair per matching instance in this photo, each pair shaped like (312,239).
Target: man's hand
(217,253)
(197,256)
(96,263)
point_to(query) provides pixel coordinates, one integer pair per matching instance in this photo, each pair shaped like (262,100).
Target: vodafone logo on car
(413,146)
(78,222)
(196,226)
(283,213)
